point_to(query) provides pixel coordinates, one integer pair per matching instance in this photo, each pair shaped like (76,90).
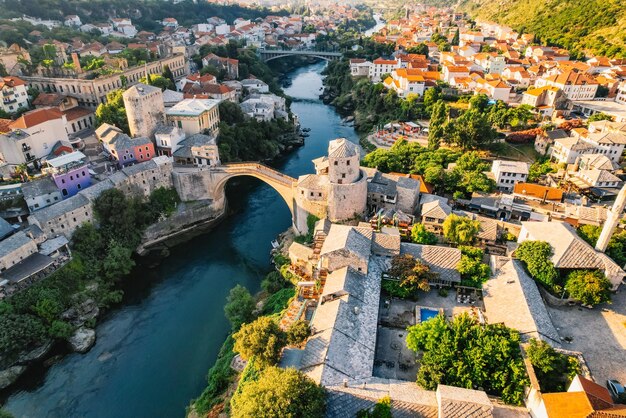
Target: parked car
(616,389)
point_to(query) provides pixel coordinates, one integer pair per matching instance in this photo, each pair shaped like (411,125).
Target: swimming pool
(426,314)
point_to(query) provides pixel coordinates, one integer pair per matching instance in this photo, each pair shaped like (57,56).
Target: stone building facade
(91,92)
(144,108)
(140,179)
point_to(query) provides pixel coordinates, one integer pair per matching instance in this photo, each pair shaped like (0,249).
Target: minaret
(613,218)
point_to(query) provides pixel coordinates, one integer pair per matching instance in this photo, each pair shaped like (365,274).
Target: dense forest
(144,13)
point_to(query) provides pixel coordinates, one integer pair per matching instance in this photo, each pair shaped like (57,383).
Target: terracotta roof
(595,390)
(76,113)
(538,191)
(567,405)
(5,125)
(48,99)
(36,117)
(11,82)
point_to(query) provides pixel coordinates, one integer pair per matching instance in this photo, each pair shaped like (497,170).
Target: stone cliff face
(191,218)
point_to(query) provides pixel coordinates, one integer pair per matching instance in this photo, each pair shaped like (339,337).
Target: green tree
(479,102)
(167,73)
(159,81)
(473,271)
(599,116)
(421,49)
(438,118)
(460,230)
(463,353)
(455,38)
(163,201)
(280,393)
(553,369)
(382,409)
(431,96)
(239,307)
(589,287)
(113,111)
(470,131)
(298,332)
(118,262)
(420,235)
(536,255)
(408,275)
(261,338)
(273,282)
(61,330)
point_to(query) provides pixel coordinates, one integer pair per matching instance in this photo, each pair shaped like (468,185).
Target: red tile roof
(36,117)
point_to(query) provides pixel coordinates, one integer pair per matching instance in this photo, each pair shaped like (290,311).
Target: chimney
(612,220)
(76,63)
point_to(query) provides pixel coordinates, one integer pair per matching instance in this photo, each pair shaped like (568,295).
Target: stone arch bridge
(208,183)
(271,54)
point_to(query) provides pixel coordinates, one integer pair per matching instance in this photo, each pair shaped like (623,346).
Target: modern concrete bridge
(271,54)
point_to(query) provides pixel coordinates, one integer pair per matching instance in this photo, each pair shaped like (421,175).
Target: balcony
(9,101)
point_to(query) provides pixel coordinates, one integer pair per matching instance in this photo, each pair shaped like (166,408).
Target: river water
(152,354)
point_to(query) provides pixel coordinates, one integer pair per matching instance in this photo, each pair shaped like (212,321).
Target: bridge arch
(324,57)
(282,183)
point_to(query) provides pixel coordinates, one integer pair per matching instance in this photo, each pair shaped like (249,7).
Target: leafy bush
(218,378)
(462,352)
(536,255)
(420,235)
(589,287)
(239,307)
(408,275)
(279,301)
(298,332)
(261,338)
(554,370)
(382,409)
(279,393)
(460,230)
(473,271)
(273,282)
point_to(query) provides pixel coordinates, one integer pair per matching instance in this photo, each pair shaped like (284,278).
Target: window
(79,186)
(64,192)
(343,175)
(47,200)
(348,162)
(336,162)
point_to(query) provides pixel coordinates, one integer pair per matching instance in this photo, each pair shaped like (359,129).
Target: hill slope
(597,26)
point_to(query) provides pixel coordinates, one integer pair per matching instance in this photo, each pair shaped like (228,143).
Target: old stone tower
(613,218)
(337,190)
(145,109)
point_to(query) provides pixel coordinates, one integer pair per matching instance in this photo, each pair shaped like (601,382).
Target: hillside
(592,26)
(597,26)
(145,13)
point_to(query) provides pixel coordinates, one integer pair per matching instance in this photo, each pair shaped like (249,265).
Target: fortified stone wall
(347,200)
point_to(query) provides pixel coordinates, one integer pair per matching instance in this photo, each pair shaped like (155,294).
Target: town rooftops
(436,209)
(36,117)
(61,208)
(441,260)
(570,251)
(348,238)
(66,159)
(11,81)
(512,297)
(567,405)
(344,325)
(48,99)
(39,187)
(461,402)
(538,191)
(12,243)
(5,228)
(192,107)
(519,167)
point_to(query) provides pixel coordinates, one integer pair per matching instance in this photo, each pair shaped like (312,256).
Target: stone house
(40,193)
(433,211)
